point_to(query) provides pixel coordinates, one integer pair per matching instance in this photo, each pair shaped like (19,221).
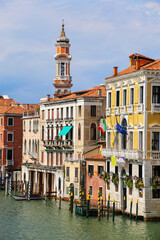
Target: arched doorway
(124,136)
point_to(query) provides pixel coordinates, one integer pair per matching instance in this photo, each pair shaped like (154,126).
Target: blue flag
(120,129)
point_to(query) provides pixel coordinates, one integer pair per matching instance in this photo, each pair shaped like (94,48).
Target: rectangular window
(48,113)
(93,111)
(0,154)
(100,169)
(42,114)
(141,140)
(52,159)
(71,112)
(130,169)
(108,166)
(67,190)
(109,100)
(109,140)
(57,113)
(140,171)
(67,112)
(76,191)
(1,121)
(9,137)
(141,94)
(76,172)
(0,136)
(61,160)
(117,98)
(67,171)
(61,113)
(117,141)
(79,111)
(9,154)
(155,141)
(52,113)
(100,190)
(90,170)
(124,97)
(10,121)
(47,159)
(132,96)
(91,190)
(130,140)
(116,170)
(56,159)
(155,173)
(156,94)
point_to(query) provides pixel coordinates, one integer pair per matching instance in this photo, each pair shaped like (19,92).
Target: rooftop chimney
(137,64)
(48,97)
(99,92)
(115,71)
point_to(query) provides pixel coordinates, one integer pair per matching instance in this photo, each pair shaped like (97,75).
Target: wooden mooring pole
(108,208)
(99,206)
(59,199)
(131,207)
(113,209)
(136,209)
(124,201)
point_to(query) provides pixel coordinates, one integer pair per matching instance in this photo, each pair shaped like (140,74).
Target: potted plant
(155,182)
(90,174)
(129,182)
(139,183)
(115,179)
(106,177)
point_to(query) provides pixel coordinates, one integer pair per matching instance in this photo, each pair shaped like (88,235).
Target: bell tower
(62,80)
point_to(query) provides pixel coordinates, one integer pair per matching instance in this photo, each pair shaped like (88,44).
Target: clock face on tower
(62,69)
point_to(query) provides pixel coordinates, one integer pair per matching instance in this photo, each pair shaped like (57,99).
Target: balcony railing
(140,108)
(108,111)
(155,154)
(59,119)
(130,108)
(50,120)
(123,109)
(116,110)
(33,155)
(58,143)
(68,118)
(9,162)
(31,113)
(67,178)
(155,107)
(129,154)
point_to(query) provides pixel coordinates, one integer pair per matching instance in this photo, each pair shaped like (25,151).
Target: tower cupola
(62,80)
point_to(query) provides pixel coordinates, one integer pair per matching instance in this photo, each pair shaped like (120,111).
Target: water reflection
(43,220)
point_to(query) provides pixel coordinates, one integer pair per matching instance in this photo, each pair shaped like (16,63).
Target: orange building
(95,166)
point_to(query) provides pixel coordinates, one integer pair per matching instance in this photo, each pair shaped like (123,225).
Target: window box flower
(139,184)
(155,182)
(129,182)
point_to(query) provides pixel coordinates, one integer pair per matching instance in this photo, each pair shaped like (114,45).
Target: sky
(102,33)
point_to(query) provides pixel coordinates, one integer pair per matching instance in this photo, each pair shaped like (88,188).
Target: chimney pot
(137,64)
(115,71)
(48,97)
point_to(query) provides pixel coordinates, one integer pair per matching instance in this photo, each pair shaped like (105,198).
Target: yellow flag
(113,161)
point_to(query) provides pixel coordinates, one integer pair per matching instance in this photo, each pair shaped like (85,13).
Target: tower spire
(62,80)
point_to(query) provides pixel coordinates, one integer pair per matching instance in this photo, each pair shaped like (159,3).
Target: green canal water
(43,220)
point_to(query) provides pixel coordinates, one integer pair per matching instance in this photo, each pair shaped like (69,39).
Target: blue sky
(102,33)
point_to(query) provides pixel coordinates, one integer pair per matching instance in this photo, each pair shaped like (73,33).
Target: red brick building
(95,166)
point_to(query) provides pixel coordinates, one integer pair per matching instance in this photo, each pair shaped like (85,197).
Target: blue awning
(65,130)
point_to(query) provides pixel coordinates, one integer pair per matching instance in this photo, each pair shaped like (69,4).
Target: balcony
(129,154)
(116,110)
(155,107)
(68,118)
(155,154)
(9,162)
(108,111)
(34,113)
(140,108)
(123,109)
(76,179)
(67,178)
(59,119)
(130,109)
(33,155)
(49,120)
(58,143)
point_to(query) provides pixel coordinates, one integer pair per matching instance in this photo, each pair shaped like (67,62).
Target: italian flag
(103,127)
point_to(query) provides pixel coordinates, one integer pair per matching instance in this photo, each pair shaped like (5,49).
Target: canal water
(43,220)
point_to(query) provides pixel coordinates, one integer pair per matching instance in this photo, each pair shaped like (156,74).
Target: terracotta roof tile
(11,109)
(6,102)
(95,157)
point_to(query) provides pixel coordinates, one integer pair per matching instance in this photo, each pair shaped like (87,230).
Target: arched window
(24,126)
(52,132)
(29,126)
(48,133)
(29,145)
(42,132)
(25,145)
(124,136)
(79,131)
(93,131)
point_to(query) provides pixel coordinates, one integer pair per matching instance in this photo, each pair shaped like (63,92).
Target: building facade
(133,159)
